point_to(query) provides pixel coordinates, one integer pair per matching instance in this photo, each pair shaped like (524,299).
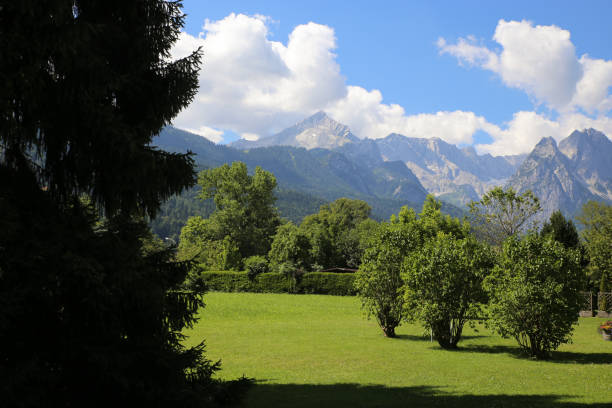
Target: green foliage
(327,283)
(255,265)
(245,209)
(323,283)
(378,282)
(334,234)
(200,243)
(534,293)
(92,313)
(562,230)
(596,219)
(503,213)
(432,221)
(290,245)
(443,285)
(174,212)
(295,205)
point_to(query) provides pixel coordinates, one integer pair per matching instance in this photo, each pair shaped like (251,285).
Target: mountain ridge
(322,157)
(316,131)
(552,177)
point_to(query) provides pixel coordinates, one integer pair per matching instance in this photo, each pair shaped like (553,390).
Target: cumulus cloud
(367,115)
(527,128)
(592,89)
(214,135)
(542,61)
(254,86)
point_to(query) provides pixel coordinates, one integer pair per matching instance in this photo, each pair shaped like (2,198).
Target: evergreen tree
(562,230)
(92,314)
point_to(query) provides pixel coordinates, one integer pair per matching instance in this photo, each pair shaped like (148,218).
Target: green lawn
(313,350)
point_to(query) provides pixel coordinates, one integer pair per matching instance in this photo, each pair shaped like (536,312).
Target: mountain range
(453,174)
(323,159)
(567,175)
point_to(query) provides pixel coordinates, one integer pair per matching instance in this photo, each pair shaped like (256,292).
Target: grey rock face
(590,156)
(317,131)
(551,176)
(446,170)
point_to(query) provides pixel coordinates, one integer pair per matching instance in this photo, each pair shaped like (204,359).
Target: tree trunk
(389,331)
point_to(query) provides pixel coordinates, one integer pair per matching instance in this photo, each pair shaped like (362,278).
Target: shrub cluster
(432,269)
(322,283)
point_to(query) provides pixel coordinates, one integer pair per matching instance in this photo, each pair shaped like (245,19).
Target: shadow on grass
(427,338)
(366,396)
(562,357)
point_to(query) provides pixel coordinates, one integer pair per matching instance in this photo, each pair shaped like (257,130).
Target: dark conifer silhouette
(88,316)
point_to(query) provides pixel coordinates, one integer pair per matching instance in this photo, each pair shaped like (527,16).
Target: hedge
(323,283)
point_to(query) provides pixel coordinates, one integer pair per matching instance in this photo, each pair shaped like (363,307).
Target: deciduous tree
(596,218)
(245,211)
(501,214)
(443,285)
(534,293)
(379,282)
(333,233)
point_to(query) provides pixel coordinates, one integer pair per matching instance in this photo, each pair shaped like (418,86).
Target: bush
(327,283)
(228,281)
(535,293)
(321,283)
(255,265)
(444,285)
(378,282)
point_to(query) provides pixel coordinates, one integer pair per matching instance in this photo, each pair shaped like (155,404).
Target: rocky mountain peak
(546,147)
(590,154)
(316,131)
(317,118)
(568,175)
(579,141)
(469,151)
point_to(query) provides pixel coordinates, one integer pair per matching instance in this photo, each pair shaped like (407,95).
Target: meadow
(317,350)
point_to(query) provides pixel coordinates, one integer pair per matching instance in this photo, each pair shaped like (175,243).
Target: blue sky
(470,89)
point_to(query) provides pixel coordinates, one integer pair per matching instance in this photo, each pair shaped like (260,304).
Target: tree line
(440,270)
(245,227)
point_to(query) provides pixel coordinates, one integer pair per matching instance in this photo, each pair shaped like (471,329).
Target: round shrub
(255,265)
(535,293)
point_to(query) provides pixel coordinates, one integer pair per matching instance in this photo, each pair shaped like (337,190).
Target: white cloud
(250,84)
(526,129)
(592,90)
(466,50)
(214,135)
(541,60)
(249,136)
(365,114)
(520,135)
(254,86)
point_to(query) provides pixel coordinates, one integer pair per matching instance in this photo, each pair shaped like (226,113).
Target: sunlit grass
(307,350)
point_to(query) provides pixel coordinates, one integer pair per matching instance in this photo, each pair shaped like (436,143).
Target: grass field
(319,351)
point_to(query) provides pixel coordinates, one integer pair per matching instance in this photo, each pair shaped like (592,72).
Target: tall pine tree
(88,316)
